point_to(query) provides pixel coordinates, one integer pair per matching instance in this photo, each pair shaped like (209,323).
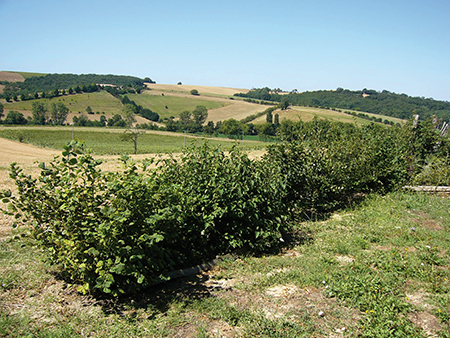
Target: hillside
(383,103)
(103,94)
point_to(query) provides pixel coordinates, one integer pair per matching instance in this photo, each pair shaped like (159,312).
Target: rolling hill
(168,100)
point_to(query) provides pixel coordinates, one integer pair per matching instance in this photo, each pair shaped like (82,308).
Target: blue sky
(400,46)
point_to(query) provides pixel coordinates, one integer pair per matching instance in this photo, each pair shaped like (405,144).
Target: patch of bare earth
(289,302)
(422,316)
(425,222)
(51,303)
(429,323)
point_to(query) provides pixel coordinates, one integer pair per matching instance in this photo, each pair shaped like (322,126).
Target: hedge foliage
(118,233)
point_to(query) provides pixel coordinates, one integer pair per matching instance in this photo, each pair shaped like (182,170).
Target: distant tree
(147,79)
(179,83)
(55,93)
(276,120)
(269,117)
(284,104)
(81,121)
(116,121)
(89,110)
(194,92)
(14,117)
(132,132)
(70,90)
(199,115)
(209,128)
(39,111)
(58,113)
(265,130)
(1,110)
(185,118)
(233,128)
(103,121)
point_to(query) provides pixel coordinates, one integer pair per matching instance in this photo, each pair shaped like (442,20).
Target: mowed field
(296,113)
(11,77)
(219,91)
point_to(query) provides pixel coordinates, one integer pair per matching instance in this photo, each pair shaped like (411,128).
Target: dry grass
(202,89)
(296,113)
(11,77)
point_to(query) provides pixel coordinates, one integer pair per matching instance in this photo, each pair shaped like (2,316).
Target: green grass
(373,269)
(175,104)
(98,101)
(26,75)
(102,142)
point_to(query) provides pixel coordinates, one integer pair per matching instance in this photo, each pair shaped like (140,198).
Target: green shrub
(235,202)
(326,163)
(119,232)
(435,171)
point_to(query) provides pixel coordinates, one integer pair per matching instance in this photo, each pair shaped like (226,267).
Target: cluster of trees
(57,115)
(52,82)
(371,101)
(49,86)
(191,122)
(13,117)
(41,115)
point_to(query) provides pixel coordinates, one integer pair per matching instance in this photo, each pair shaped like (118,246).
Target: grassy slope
(175,104)
(378,270)
(98,101)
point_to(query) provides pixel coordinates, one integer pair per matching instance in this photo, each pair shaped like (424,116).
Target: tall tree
(185,118)
(132,132)
(39,111)
(200,114)
(58,113)
(269,117)
(276,120)
(1,110)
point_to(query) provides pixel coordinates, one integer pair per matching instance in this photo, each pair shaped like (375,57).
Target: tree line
(56,84)
(368,100)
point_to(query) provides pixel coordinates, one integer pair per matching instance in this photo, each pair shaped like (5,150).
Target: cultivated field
(11,77)
(296,113)
(208,90)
